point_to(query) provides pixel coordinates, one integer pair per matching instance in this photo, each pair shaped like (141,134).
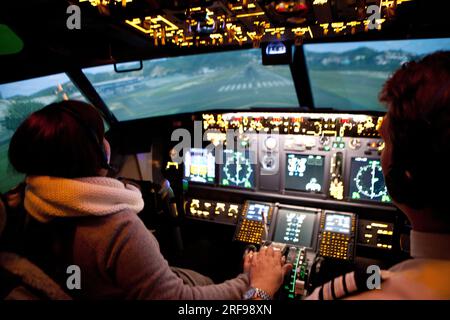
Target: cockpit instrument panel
(310,124)
(253,223)
(336,156)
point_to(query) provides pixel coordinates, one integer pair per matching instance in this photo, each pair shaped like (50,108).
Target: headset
(92,135)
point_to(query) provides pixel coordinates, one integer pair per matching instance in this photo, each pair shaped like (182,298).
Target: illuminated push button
(233,210)
(195,205)
(220,208)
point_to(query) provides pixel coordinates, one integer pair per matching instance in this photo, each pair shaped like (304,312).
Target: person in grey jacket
(62,150)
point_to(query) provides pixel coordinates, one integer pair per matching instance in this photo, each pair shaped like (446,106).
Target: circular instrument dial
(238,169)
(370,182)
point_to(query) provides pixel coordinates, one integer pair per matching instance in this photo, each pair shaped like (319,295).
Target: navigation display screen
(295,227)
(256,211)
(339,223)
(304,172)
(237,170)
(199,166)
(367,180)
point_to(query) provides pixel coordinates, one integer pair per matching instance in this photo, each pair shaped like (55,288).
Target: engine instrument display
(367,180)
(304,172)
(199,166)
(237,170)
(295,227)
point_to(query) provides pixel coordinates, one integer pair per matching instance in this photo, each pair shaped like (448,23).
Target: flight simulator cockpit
(261,117)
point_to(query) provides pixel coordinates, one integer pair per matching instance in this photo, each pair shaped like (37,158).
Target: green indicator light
(185,185)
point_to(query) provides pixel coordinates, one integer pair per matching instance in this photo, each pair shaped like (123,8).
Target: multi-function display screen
(367,180)
(339,223)
(304,172)
(256,211)
(237,170)
(295,227)
(199,166)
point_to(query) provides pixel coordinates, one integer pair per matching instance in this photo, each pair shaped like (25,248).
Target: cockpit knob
(270,143)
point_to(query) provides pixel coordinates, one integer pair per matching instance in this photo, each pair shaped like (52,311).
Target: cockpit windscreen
(226,80)
(17,101)
(350,75)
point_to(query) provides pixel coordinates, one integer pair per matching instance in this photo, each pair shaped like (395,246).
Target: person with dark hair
(415,163)
(90,220)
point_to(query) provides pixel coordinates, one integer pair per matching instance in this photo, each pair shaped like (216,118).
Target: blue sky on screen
(31,86)
(421,46)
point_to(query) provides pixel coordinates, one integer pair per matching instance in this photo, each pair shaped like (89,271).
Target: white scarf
(49,197)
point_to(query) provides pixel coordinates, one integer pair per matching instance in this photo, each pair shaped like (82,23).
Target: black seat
(19,278)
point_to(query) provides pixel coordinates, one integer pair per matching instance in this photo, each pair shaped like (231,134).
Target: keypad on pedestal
(335,245)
